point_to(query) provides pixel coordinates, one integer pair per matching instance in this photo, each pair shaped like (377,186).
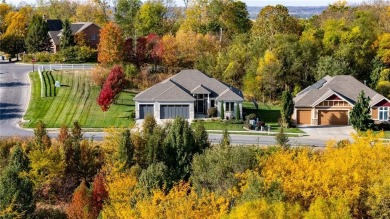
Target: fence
(51,67)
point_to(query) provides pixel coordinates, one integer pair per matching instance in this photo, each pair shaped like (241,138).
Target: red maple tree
(99,195)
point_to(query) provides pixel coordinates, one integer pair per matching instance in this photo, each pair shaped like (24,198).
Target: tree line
(171,171)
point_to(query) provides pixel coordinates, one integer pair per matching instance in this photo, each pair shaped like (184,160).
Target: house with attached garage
(329,101)
(188,94)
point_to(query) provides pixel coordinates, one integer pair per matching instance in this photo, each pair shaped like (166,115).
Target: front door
(200,104)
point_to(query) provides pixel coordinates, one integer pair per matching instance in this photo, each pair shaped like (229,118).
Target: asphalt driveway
(328,132)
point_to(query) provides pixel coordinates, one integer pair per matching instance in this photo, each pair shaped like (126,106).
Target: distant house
(89,30)
(329,101)
(188,94)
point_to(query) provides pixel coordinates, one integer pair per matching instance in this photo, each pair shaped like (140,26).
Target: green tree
(154,145)
(282,139)
(126,15)
(179,148)
(360,114)
(235,18)
(67,38)
(150,18)
(328,65)
(287,108)
(148,125)
(238,113)
(41,139)
(156,176)
(37,39)
(215,170)
(126,149)
(200,135)
(16,191)
(225,141)
(222,110)
(12,44)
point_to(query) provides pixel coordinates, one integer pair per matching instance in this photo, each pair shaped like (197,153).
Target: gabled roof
(54,37)
(77,27)
(183,85)
(54,25)
(344,86)
(200,89)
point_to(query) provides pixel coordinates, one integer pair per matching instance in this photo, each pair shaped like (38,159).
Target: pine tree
(360,113)
(38,39)
(126,149)
(222,111)
(282,139)
(42,140)
(16,191)
(200,136)
(287,108)
(179,147)
(225,141)
(67,38)
(238,113)
(64,134)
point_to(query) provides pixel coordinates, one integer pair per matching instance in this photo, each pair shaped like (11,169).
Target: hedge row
(74,54)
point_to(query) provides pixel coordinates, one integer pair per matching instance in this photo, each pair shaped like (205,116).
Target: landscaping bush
(385,126)
(251,116)
(43,56)
(69,54)
(86,54)
(212,112)
(99,75)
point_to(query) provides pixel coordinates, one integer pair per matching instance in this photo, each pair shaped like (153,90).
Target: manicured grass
(76,101)
(387,134)
(218,125)
(267,113)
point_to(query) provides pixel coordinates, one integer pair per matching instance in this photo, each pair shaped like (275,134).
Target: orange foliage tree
(80,206)
(99,195)
(110,49)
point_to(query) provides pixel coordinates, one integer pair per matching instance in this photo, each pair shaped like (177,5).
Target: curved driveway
(14,97)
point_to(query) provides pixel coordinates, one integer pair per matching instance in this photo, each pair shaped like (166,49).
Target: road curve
(14,97)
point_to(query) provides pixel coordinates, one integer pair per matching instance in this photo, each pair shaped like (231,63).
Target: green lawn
(268,113)
(218,125)
(75,100)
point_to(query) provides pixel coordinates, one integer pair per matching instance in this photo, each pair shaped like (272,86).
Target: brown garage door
(332,117)
(304,117)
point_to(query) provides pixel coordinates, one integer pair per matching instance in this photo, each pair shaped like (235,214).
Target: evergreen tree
(16,191)
(200,136)
(222,111)
(238,113)
(154,145)
(360,113)
(282,139)
(37,39)
(179,147)
(67,38)
(126,149)
(287,108)
(42,140)
(225,141)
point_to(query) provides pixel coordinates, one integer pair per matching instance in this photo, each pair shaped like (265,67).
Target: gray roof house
(188,94)
(329,100)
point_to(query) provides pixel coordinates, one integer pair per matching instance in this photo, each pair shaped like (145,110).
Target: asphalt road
(14,97)
(15,94)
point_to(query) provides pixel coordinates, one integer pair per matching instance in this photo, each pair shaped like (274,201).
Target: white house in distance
(329,101)
(188,94)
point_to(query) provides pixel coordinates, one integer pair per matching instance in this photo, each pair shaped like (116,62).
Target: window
(212,103)
(229,107)
(93,37)
(383,113)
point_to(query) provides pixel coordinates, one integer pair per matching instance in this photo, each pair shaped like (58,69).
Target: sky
(248,2)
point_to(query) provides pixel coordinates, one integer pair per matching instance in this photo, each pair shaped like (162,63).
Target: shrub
(212,112)
(43,56)
(99,75)
(78,54)
(251,116)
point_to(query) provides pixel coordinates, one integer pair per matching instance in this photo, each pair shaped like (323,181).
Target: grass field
(75,100)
